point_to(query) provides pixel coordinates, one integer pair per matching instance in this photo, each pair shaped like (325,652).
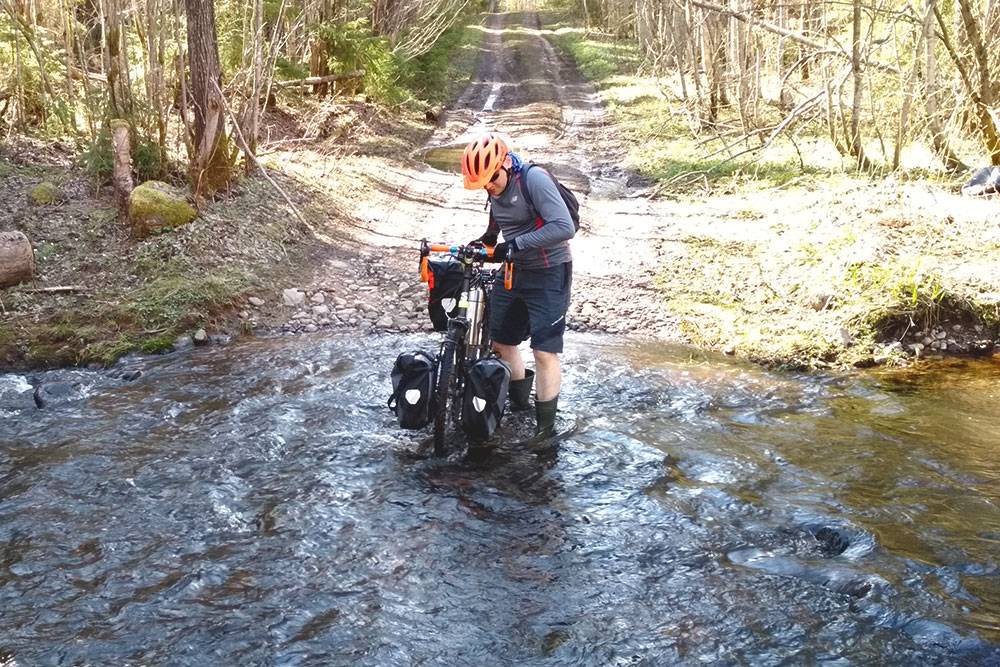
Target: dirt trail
(771,275)
(524,90)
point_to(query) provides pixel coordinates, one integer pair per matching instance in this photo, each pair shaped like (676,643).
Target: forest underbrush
(100,293)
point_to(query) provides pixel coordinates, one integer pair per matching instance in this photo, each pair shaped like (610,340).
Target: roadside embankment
(786,256)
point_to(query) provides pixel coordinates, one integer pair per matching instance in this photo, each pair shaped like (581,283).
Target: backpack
(412,399)
(486,384)
(567,195)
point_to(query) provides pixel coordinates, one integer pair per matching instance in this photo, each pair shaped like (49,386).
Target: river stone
(321,311)
(132,375)
(293,297)
(183,342)
(50,393)
(200,337)
(318,298)
(339,302)
(384,322)
(15,393)
(255,301)
(311,328)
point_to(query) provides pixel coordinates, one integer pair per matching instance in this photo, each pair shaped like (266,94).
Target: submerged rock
(54,392)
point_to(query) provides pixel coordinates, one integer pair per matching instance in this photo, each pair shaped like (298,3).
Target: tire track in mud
(525,90)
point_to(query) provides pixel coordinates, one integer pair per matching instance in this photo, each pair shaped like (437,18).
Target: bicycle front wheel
(442,395)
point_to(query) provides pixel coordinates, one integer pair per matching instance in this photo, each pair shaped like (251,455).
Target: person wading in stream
(536,241)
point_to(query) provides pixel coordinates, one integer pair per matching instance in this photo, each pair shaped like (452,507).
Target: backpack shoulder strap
(522,182)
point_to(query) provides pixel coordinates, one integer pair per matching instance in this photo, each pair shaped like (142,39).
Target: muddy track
(523,89)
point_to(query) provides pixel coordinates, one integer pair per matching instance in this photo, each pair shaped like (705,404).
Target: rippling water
(255,505)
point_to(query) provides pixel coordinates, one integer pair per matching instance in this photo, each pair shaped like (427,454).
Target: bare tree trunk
(17,260)
(120,130)
(253,124)
(939,139)
(984,96)
(211,168)
(119,90)
(854,141)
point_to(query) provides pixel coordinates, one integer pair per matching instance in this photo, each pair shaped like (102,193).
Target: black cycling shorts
(536,307)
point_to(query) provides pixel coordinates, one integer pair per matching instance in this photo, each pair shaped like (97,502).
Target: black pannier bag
(445,283)
(486,384)
(413,389)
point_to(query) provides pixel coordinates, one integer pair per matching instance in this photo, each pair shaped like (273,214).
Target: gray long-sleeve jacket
(543,241)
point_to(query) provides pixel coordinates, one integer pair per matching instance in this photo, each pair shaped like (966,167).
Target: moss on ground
(44,194)
(155,207)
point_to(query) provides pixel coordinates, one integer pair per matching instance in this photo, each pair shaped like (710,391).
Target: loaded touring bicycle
(465,384)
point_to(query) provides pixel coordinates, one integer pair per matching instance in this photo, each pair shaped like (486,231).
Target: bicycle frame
(468,336)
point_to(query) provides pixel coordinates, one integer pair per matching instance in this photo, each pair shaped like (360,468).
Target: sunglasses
(496,175)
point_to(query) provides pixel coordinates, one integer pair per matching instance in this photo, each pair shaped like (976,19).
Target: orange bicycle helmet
(481,160)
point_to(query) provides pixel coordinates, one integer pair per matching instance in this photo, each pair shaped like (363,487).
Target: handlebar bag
(486,384)
(445,288)
(412,397)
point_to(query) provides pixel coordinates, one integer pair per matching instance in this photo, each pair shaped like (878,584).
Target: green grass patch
(173,301)
(437,76)
(148,319)
(598,56)
(891,298)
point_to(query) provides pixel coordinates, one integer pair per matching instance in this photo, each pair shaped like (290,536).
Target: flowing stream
(255,505)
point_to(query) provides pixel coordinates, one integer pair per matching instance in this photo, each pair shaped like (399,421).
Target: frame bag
(412,397)
(445,287)
(486,384)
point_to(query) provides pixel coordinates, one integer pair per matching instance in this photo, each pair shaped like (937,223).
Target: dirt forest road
(776,275)
(524,90)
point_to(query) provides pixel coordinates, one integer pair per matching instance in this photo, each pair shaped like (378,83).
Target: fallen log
(58,289)
(17,260)
(313,80)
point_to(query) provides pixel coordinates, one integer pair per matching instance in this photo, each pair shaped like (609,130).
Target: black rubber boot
(519,392)
(545,419)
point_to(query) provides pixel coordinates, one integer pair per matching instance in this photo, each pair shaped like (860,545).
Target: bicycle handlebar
(480,252)
(457,250)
